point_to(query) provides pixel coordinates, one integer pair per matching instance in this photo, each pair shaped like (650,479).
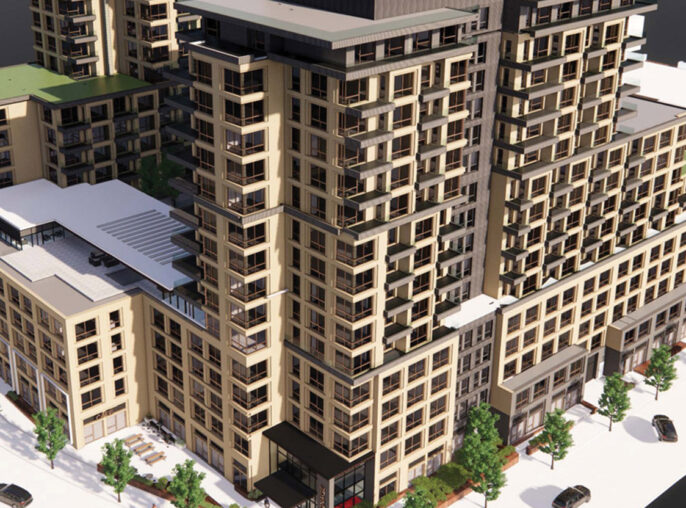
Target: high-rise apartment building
(391,211)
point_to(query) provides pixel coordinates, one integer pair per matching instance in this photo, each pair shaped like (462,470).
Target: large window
(349,488)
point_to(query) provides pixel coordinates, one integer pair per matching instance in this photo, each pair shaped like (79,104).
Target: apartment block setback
(390,212)
(71,131)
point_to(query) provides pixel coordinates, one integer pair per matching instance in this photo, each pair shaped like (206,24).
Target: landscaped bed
(159,489)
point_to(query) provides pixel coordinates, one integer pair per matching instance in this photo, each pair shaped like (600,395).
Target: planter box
(594,409)
(22,406)
(512,459)
(157,492)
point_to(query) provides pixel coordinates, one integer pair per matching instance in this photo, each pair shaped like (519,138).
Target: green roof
(34,80)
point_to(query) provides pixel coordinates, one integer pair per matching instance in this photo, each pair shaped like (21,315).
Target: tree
(420,498)
(50,434)
(116,463)
(556,438)
(154,178)
(479,453)
(614,402)
(185,486)
(661,371)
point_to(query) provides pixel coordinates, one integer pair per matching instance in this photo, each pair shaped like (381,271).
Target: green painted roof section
(29,79)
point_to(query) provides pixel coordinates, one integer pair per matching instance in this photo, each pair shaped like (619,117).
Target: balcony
(633,42)
(395,332)
(536,64)
(430,150)
(552,261)
(432,93)
(448,258)
(558,213)
(630,65)
(367,200)
(367,139)
(184,184)
(516,230)
(181,101)
(594,221)
(561,189)
(397,279)
(183,157)
(399,251)
(179,75)
(627,90)
(591,244)
(658,213)
(367,169)
(188,267)
(182,131)
(187,242)
(450,232)
(533,92)
(629,205)
(395,306)
(446,283)
(370,109)
(431,121)
(512,278)
(445,308)
(626,228)
(596,198)
(631,184)
(555,237)
(426,180)
(514,254)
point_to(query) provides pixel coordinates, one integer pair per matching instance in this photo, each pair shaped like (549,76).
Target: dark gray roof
(322,27)
(313,454)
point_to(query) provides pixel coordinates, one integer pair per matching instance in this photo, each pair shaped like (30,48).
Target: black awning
(317,457)
(284,490)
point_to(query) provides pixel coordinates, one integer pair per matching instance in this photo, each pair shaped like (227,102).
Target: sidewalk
(78,467)
(626,467)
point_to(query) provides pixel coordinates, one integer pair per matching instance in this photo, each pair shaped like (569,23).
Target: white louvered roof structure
(114,217)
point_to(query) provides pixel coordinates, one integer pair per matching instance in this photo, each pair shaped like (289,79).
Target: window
(91,398)
(85,329)
(318,85)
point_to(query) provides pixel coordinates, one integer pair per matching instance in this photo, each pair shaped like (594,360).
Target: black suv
(572,497)
(665,428)
(14,496)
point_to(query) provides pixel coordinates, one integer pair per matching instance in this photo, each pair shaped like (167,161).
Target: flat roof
(649,114)
(334,28)
(544,368)
(660,82)
(313,454)
(33,80)
(471,310)
(114,217)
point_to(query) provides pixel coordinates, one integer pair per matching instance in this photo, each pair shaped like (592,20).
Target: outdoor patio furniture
(132,440)
(141,449)
(155,457)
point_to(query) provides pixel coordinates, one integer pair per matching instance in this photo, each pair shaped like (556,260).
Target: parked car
(14,495)
(572,497)
(665,428)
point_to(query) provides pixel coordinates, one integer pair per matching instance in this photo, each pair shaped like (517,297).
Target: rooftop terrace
(30,80)
(111,216)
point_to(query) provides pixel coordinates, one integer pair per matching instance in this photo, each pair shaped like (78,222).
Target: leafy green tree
(479,453)
(556,438)
(116,463)
(492,478)
(50,434)
(154,178)
(185,486)
(661,371)
(614,402)
(420,498)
